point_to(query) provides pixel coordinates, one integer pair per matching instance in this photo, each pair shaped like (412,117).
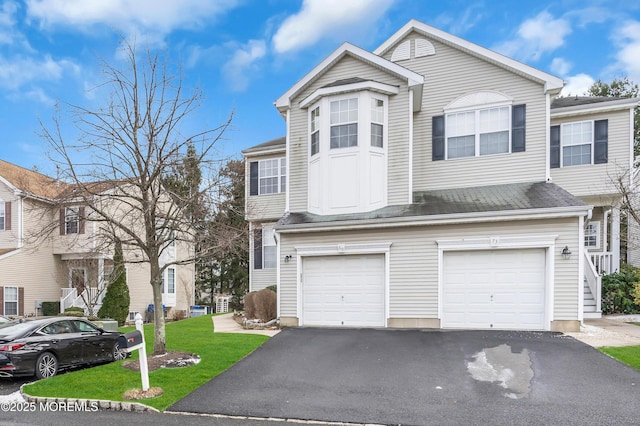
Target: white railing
(603,262)
(71,298)
(594,280)
(69,295)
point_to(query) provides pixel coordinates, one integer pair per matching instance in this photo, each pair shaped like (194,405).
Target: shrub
(115,304)
(74,309)
(273,288)
(50,309)
(72,312)
(262,305)
(618,291)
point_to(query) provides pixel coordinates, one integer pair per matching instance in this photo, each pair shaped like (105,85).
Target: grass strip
(629,355)
(109,382)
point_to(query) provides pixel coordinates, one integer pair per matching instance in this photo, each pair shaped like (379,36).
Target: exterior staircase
(590,309)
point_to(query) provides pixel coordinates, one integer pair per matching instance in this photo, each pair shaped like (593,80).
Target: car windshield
(15,329)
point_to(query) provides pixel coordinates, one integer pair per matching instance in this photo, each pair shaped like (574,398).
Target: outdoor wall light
(566,253)
(287,258)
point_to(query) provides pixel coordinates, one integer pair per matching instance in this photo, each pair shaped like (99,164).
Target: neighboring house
(436,183)
(50,251)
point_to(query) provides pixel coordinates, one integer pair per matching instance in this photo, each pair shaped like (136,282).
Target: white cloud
(627,39)
(242,62)
(154,16)
(577,85)
(560,66)
(17,71)
(327,18)
(536,36)
(461,23)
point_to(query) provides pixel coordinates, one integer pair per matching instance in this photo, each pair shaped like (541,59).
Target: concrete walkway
(613,330)
(226,324)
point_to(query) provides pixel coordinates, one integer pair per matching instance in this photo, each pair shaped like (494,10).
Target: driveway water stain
(507,369)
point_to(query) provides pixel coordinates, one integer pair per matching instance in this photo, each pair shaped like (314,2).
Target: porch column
(100,273)
(614,239)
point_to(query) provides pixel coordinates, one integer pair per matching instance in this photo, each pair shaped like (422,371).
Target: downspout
(547,135)
(287,156)
(605,225)
(410,147)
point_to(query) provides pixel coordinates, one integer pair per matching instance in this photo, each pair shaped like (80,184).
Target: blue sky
(244,54)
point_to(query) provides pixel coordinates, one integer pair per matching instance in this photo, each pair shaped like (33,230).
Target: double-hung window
(478,132)
(169,286)
(269,249)
(577,142)
(377,122)
(272,176)
(71,220)
(315,131)
(592,235)
(344,123)
(2,216)
(11,301)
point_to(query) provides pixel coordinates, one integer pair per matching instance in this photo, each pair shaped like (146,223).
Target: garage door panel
(343,291)
(494,289)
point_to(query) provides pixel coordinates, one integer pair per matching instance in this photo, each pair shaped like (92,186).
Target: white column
(614,239)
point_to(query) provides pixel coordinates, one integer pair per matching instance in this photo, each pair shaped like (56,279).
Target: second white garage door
(494,289)
(343,291)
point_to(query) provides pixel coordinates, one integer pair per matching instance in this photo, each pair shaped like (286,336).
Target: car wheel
(46,366)
(117,353)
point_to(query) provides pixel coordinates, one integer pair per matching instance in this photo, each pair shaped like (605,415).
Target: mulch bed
(171,359)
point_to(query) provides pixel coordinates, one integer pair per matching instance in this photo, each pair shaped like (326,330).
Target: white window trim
(596,225)
(68,218)
(592,143)
(3,215)
(477,109)
(268,236)
(16,301)
(281,177)
(165,281)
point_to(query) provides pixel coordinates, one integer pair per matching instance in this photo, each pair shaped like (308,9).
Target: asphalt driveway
(424,377)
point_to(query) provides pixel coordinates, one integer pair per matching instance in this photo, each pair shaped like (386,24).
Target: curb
(101,404)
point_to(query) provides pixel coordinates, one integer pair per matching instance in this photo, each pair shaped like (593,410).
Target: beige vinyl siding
(263,207)
(452,73)
(598,179)
(397,157)
(413,287)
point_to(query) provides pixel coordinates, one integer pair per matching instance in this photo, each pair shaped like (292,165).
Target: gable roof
(30,182)
(485,203)
(414,80)
(552,84)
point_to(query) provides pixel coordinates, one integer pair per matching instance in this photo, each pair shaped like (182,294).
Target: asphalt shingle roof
(581,100)
(494,198)
(269,145)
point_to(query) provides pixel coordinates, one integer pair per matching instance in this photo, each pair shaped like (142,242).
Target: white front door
(345,290)
(494,289)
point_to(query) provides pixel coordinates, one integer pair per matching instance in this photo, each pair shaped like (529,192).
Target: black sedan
(43,346)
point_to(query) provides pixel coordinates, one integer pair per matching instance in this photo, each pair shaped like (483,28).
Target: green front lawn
(109,382)
(629,355)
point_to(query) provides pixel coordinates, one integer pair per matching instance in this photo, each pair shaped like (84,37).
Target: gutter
(444,219)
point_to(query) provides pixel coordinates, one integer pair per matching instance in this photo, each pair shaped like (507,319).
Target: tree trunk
(159,337)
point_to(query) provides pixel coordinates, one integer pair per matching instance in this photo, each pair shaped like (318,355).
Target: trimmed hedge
(50,309)
(618,291)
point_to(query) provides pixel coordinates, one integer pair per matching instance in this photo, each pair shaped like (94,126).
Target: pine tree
(115,304)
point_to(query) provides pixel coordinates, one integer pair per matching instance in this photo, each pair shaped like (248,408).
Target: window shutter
(601,142)
(1,300)
(62,231)
(253,178)
(257,248)
(20,300)
(81,220)
(437,138)
(518,121)
(7,215)
(554,158)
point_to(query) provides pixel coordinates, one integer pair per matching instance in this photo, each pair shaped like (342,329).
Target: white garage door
(494,289)
(343,291)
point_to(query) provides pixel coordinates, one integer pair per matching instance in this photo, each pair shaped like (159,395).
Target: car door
(62,339)
(95,347)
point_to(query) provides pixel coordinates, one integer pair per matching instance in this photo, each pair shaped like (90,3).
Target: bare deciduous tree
(118,165)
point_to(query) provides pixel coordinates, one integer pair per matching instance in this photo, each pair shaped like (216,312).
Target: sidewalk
(613,330)
(226,324)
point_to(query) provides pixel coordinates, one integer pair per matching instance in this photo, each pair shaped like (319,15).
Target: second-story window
(315,131)
(377,122)
(71,220)
(344,123)
(479,132)
(272,176)
(577,140)
(2,216)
